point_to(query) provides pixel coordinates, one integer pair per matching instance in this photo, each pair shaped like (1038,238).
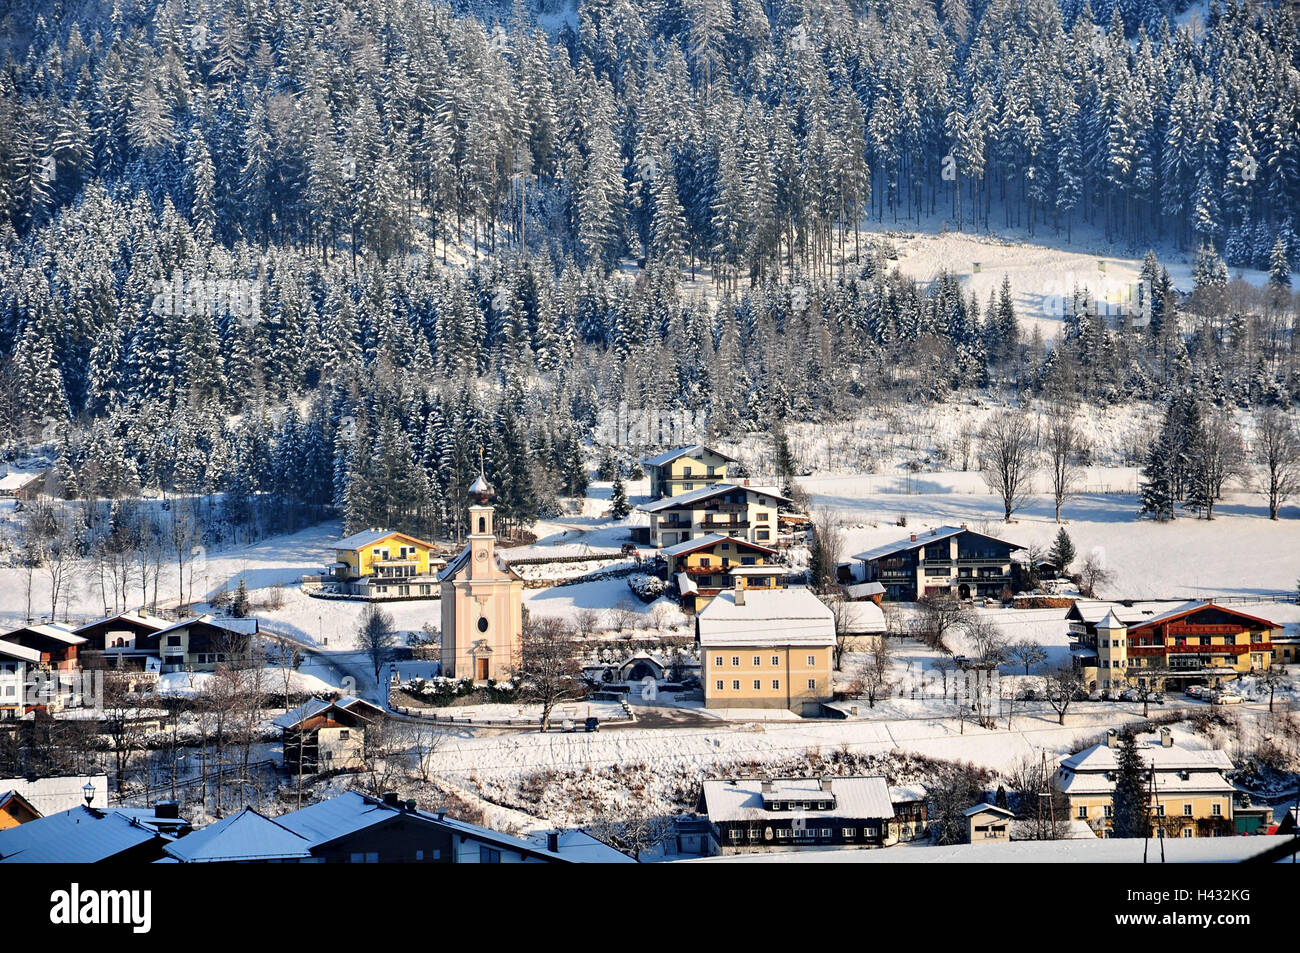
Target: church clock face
(481,555)
(482,624)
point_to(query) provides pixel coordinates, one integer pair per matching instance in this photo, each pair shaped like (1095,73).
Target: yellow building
(704,567)
(685,469)
(1167,647)
(482,602)
(381,563)
(1190,797)
(766,648)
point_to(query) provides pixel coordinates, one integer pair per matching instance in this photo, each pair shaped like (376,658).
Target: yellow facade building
(381,563)
(1190,796)
(766,648)
(706,566)
(685,469)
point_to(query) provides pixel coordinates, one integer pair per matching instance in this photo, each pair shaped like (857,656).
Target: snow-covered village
(623,431)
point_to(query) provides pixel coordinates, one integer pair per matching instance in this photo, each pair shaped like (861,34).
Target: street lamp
(88,792)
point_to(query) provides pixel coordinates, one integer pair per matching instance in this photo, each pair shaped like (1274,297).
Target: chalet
(704,567)
(202,643)
(757,814)
(18,485)
(725,509)
(1166,646)
(685,469)
(326,736)
(50,669)
(381,563)
(945,560)
(16,809)
(126,642)
(357,829)
(482,601)
(988,823)
(1191,796)
(15,662)
(911,814)
(87,835)
(766,648)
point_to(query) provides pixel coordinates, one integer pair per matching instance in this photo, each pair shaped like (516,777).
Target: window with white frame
(1083,811)
(735,684)
(776,684)
(1187,810)
(812,660)
(812,684)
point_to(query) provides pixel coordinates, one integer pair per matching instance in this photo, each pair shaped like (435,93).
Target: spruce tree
(1062,552)
(619,506)
(1131,813)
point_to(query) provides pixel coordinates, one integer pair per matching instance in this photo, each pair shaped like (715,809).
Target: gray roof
(246,836)
(77,836)
(742,799)
(924,538)
(695,496)
(693,450)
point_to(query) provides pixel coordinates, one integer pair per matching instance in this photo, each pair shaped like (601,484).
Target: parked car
(1197,691)
(1130,695)
(1227,698)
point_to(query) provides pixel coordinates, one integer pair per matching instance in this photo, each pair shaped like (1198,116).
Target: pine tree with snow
(1062,552)
(619,506)
(1279,269)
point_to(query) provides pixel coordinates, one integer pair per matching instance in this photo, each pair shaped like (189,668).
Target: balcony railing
(720,524)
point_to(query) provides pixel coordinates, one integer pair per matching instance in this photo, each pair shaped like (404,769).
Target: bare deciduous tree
(1277,448)
(1044,808)
(1063,444)
(1027,652)
(939,615)
(548,664)
(1007,460)
(827,543)
(1062,684)
(988,641)
(873,672)
(1093,574)
(376,635)
(1218,458)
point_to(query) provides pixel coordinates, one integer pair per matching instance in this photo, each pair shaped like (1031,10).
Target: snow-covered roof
(14,650)
(371,536)
(863,590)
(741,799)
(862,618)
(1110,622)
(241,626)
(1085,772)
(925,538)
(1092,611)
(766,570)
(314,706)
(581,848)
(481,487)
(907,793)
(138,618)
(14,480)
(246,836)
(984,808)
(685,500)
(51,630)
(704,542)
(77,836)
(694,450)
(768,616)
(348,813)
(685,584)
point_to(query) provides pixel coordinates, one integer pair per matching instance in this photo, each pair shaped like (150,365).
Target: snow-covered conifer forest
(312,254)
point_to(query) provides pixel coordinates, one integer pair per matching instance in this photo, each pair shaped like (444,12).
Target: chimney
(553,841)
(1166,738)
(442,812)
(934,531)
(825,784)
(1112,738)
(914,537)
(767,787)
(167,810)
(746,481)
(391,799)
(963,525)
(740,595)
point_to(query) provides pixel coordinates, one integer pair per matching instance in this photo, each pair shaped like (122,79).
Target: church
(482,602)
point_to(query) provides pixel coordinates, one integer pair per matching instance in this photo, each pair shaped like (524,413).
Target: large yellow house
(704,567)
(766,648)
(1189,798)
(685,469)
(1167,647)
(382,563)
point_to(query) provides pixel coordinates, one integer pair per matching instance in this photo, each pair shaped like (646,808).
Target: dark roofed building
(946,560)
